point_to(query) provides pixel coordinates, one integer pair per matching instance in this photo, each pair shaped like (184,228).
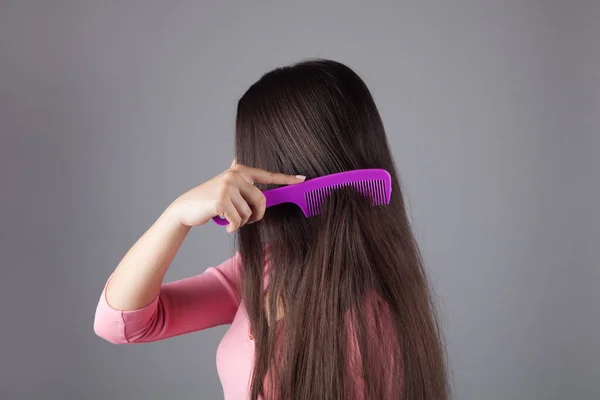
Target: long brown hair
(359,321)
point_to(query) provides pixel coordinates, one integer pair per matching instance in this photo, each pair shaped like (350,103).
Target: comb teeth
(372,189)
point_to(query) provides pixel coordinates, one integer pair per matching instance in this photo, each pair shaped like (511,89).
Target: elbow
(124,327)
(108,322)
(111,331)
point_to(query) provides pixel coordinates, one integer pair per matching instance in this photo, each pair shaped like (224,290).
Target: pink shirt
(192,304)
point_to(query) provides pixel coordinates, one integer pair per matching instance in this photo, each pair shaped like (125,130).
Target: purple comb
(376,184)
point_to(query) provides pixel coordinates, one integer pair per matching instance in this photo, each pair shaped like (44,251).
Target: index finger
(258,175)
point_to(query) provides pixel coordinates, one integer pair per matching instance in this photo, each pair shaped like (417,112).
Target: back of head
(356,265)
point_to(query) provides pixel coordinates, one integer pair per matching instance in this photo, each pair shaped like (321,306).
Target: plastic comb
(376,184)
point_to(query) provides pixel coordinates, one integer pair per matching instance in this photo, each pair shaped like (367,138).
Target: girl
(335,306)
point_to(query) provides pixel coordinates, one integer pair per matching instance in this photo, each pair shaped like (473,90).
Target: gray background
(111,109)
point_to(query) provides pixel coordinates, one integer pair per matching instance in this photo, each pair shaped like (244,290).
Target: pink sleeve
(187,305)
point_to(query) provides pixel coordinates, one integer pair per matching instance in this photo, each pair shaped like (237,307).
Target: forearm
(137,279)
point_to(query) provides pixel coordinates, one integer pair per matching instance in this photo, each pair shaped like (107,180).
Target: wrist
(172,215)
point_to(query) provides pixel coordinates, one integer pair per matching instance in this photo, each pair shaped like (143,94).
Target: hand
(232,195)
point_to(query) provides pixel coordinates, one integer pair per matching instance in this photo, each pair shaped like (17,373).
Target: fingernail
(301,177)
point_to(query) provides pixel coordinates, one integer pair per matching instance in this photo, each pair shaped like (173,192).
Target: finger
(242,207)
(227,210)
(267,177)
(256,199)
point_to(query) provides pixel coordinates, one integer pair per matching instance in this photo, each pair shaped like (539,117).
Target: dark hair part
(348,279)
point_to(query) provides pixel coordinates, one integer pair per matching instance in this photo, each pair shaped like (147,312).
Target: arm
(136,306)
(187,305)
(137,279)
